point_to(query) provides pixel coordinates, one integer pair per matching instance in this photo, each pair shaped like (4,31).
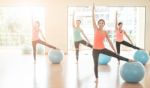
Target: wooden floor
(18,71)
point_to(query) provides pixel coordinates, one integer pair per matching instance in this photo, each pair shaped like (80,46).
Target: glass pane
(133,19)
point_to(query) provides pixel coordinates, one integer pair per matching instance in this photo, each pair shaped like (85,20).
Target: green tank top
(77,35)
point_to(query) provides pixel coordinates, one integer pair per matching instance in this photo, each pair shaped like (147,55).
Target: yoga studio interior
(74,43)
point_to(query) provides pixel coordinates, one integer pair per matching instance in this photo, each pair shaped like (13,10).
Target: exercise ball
(141,56)
(26,49)
(132,72)
(55,56)
(104,59)
(40,49)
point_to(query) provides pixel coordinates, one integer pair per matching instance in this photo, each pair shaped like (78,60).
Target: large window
(133,19)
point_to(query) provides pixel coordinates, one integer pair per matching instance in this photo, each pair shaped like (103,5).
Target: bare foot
(131,60)
(55,48)
(77,62)
(96,81)
(141,49)
(96,84)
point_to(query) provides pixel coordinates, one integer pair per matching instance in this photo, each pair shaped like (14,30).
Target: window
(133,19)
(16,24)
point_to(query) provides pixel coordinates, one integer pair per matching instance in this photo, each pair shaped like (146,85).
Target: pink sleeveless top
(35,34)
(99,38)
(119,36)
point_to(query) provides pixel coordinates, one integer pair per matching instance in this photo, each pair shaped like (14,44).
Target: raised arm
(116,21)
(110,43)
(93,18)
(128,37)
(73,23)
(32,22)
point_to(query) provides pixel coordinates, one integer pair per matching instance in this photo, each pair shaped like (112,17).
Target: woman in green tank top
(77,31)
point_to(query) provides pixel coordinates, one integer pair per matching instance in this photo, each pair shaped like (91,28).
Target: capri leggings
(77,44)
(96,53)
(40,42)
(126,44)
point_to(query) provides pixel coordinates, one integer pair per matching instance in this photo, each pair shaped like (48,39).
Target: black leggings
(41,42)
(124,43)
(77,43)
(96,53)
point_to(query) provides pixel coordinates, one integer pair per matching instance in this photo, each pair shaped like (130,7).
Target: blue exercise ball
(103,59)
(26,49)
(132,72)
(40,49)
(55,56)
(141,56)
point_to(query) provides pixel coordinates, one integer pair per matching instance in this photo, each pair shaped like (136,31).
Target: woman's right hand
(116,13)
(93,5)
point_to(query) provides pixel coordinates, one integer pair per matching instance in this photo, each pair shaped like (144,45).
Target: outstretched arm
(110,43)
(32,22)
(42,35)
(73,23)
(128,37)
(116,21)
(85,35)
(93,17)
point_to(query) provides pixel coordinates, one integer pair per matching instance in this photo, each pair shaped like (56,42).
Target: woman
(36,39)
(99,36)
(119,37)
(77,31)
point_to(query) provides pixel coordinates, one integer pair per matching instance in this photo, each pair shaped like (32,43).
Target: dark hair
(120,23)
(37,22)
(79,20)
(101,20)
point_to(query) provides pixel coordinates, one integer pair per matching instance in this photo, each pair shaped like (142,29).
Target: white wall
(56,15)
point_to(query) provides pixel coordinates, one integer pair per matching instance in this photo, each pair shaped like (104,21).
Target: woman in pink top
(119,37)
(99,36)
(36,39)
